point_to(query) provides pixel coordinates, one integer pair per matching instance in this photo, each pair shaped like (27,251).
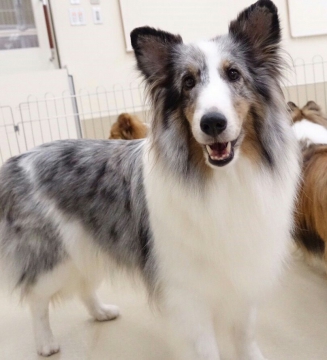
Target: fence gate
(10,141)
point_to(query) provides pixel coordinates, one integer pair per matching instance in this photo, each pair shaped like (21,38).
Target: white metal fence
(307,81)
(88,114)
(68,116)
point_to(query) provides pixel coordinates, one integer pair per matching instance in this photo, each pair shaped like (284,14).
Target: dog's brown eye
(189,82)
(233,74)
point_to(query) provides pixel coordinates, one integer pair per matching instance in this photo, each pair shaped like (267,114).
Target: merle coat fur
(201,209)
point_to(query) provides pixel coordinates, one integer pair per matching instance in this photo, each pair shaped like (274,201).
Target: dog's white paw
(106,312)
(48,349)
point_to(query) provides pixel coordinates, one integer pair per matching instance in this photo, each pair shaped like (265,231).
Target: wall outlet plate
(97,15)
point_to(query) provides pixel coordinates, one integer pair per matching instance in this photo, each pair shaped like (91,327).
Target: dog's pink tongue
(218,149)
(218,146)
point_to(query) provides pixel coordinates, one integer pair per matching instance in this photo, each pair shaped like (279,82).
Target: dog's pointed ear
(124,121)
(292,106)
(152,50)
(258,28)
(294,111)
(125,125)
(311,105)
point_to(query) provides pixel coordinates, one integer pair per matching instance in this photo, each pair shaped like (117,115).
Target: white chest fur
(231,237)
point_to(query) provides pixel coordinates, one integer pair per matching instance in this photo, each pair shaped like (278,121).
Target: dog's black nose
(213,123)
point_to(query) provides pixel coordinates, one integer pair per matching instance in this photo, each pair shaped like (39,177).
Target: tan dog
(128,127)
(311,112)
(311,211)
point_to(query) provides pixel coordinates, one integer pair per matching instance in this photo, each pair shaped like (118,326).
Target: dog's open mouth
(221,153)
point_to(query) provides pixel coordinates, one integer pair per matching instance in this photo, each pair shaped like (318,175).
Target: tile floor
(291,326)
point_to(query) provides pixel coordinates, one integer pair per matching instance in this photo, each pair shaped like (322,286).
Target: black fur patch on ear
(258,26)
(257,33)
(152,50)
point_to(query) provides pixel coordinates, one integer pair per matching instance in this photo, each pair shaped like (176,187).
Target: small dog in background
(128,127)
(309,124)
(311,112)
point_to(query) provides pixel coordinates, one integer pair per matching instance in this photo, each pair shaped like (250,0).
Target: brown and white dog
(309,124)
(128,127)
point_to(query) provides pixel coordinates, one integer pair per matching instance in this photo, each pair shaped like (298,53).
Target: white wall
(305,47)
(95,54)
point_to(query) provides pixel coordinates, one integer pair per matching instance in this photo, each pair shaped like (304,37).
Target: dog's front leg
(245,342)
(45,342)
(194,322)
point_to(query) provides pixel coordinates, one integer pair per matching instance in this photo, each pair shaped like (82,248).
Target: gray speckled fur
(52,192)
(98,183)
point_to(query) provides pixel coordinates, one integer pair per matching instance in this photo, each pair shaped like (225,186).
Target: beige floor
(292,325)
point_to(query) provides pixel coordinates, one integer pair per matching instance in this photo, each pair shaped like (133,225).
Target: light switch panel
(81,16)
(77,16)
(95,2)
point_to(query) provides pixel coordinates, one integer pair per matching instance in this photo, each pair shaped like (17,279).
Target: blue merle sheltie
(201,209)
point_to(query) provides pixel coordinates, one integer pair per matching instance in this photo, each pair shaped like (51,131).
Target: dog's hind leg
(98,310)
(48,287)
(90,267)
(46,345)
